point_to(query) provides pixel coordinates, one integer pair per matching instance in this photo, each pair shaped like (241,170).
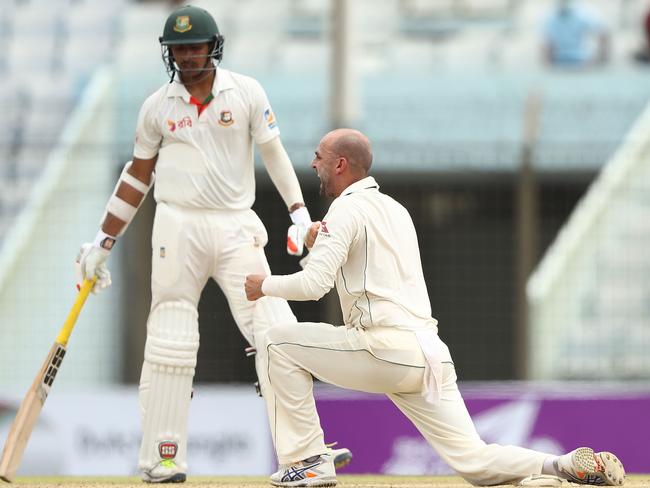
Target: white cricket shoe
(588,468)
(164,472)
(313,471)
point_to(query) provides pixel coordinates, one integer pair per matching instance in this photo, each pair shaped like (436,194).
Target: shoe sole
(307,482)
(342,458)
(613,470)
(601,468)
(176,478)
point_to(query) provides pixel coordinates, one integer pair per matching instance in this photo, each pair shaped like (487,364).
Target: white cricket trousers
(189,246)
(378,360)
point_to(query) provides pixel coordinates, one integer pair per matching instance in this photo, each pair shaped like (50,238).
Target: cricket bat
(30,408)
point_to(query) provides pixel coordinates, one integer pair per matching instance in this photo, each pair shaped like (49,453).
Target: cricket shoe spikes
(164,472)
(342,456)
(313,471)
(586,467)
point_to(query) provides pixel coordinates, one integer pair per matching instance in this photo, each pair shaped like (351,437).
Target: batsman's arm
(134,183)
(132,187)
(278,165)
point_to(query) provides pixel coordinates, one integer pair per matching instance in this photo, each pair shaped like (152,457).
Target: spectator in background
(643,54)
(569,34)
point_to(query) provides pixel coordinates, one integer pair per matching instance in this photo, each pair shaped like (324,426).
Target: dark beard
(195,75)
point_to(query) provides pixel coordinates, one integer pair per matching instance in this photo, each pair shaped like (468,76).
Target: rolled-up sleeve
(339,230)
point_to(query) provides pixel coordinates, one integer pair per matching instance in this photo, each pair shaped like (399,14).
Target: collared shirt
(368,246)
(223,134)
(568,31)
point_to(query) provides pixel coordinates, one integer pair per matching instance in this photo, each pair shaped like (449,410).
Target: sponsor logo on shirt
(270,119)
(179,124)
(225,118)
(182,24)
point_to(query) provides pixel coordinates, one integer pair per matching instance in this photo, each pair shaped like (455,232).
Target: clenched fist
(253,286)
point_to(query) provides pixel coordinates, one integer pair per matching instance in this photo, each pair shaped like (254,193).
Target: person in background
(569,33)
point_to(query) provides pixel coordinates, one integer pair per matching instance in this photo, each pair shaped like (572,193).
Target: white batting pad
(166,387)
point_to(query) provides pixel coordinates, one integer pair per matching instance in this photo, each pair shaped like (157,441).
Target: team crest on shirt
(225,118)
(270,119)
(323,228)
(182,24)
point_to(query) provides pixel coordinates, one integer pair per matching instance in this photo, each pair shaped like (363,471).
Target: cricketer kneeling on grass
(197,134)
(367,246)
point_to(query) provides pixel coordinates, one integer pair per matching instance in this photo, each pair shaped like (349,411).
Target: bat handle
(68,325)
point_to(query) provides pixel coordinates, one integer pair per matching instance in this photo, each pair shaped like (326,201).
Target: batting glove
(91,261)
(297,232)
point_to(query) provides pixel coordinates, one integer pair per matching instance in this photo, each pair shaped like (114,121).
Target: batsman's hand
(253,286)
(298,231)
(90,262)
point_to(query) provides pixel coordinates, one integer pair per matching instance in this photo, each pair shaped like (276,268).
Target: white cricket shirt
(368,246)
(223,133)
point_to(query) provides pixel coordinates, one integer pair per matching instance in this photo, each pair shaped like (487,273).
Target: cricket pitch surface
(344,481)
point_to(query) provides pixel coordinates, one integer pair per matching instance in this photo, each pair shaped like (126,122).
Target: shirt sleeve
(278,165)
(338,233)
(263,125)
(148,136)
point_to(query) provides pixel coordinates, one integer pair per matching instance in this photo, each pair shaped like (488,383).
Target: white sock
(550,466)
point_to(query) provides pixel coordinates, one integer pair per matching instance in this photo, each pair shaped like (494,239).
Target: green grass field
(633,481)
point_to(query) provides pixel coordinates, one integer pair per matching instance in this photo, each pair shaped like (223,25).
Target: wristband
(104,241)
(300,216)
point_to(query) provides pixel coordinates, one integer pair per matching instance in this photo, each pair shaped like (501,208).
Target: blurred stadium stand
(442,90)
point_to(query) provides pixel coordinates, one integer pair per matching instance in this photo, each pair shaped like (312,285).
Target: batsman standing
(368,247)
(196,135)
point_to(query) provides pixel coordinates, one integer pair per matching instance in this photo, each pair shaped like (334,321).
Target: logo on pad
(167,449)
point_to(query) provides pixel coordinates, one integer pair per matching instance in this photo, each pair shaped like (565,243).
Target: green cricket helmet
(189,25)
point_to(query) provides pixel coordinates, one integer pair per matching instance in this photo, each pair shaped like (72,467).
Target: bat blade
(28,413)
(30,408)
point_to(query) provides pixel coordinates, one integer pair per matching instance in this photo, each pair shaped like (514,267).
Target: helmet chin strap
(207,69)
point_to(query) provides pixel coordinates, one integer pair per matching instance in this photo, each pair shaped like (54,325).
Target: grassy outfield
(345,481)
